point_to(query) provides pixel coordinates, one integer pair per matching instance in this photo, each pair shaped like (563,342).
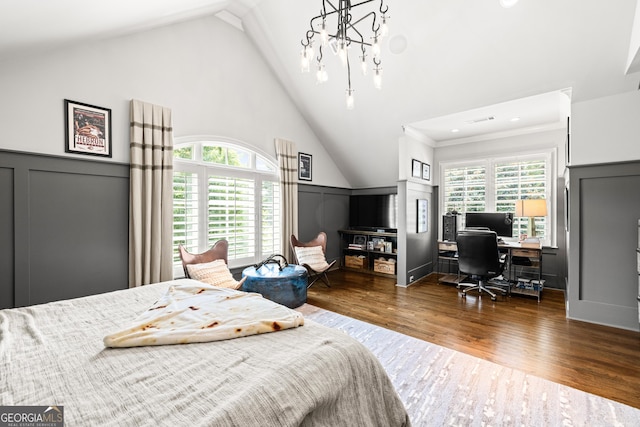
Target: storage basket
(353,261)
(381,265)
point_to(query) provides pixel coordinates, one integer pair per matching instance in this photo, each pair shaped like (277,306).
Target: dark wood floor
(514,331)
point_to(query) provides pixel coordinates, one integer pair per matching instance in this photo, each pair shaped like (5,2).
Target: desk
(523,269)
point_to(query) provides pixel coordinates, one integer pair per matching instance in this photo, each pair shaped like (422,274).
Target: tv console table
(369,252)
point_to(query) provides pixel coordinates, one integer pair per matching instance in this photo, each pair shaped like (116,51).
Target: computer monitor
(500,222)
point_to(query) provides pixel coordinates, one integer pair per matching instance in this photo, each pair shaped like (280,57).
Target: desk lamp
(531,208)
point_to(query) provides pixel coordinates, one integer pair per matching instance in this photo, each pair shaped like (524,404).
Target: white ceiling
(455,61)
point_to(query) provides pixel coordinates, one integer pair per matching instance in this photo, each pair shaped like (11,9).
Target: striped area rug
(443,387)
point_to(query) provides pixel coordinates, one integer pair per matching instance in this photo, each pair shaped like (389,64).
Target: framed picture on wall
(87,129)
(422,216)
(426,171)
(416,168)
(304,166)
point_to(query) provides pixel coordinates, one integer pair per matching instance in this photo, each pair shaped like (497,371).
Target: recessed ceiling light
(515,119)
(508,3)
(455,130)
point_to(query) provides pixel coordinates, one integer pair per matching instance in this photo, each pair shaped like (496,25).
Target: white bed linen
(310,375)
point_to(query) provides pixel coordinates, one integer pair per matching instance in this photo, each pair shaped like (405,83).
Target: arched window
(222,189)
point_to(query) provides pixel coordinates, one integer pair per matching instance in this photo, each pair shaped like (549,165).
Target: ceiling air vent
(483,119)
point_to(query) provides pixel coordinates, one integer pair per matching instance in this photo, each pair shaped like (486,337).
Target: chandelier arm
(335,9)
(386,8)
(346,29)
(361,3)
(308,40)
(374,28)
(348,72)
(352,26)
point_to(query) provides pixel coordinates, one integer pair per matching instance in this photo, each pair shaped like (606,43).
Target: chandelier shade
(337,29)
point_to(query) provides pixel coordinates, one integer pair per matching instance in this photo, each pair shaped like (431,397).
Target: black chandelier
(346,34)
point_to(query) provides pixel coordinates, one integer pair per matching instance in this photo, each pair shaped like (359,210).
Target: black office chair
(478,257)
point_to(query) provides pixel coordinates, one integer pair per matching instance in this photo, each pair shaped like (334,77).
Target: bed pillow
(215,273)
(312,256)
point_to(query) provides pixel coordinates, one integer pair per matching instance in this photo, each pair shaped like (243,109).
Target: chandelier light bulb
(384,27)
(309,49)
(377,78)
(321,74)
(363,64)
(375,48)
(304,61)
(342,52)
(324,35)
(350,100)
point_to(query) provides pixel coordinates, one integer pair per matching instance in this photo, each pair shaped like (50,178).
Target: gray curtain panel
(288,164)
(150,194)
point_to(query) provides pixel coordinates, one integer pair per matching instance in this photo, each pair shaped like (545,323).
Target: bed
(53,354)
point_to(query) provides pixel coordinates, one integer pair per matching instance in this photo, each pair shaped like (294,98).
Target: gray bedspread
(53,354)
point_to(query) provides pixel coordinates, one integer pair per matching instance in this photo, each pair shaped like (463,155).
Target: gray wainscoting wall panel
(323,209)
(604,211)
(417,247)
(78,233)
(6,238)
(70,226)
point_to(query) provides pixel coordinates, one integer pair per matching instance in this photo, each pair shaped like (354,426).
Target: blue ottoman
(287,287)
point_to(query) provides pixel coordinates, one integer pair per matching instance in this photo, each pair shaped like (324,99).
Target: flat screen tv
(373,211)
(500,222)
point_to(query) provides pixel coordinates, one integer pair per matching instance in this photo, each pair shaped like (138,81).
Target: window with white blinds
(222,191)
(465,189)
(271,224)
(185,213)
(231,215)
(515,180)
(494,185)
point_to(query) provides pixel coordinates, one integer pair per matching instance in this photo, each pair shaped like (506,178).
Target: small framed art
(426,171)
(304,166)
(422,216)
(416,166)
(87,129)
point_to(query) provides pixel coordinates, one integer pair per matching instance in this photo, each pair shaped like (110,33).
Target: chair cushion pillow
(312,256)
(215,273)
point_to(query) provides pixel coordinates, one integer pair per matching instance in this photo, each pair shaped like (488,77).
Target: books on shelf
(533,284)
(356,246)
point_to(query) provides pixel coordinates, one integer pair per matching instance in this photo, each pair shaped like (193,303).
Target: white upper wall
(606,129)
(410,149)
(205,70)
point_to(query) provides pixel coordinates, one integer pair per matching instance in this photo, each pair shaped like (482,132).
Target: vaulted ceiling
(447,64)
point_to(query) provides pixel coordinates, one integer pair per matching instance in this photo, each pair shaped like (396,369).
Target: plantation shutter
(515,180)
(465,189)
(185,212)
(231,214)
(271,224)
